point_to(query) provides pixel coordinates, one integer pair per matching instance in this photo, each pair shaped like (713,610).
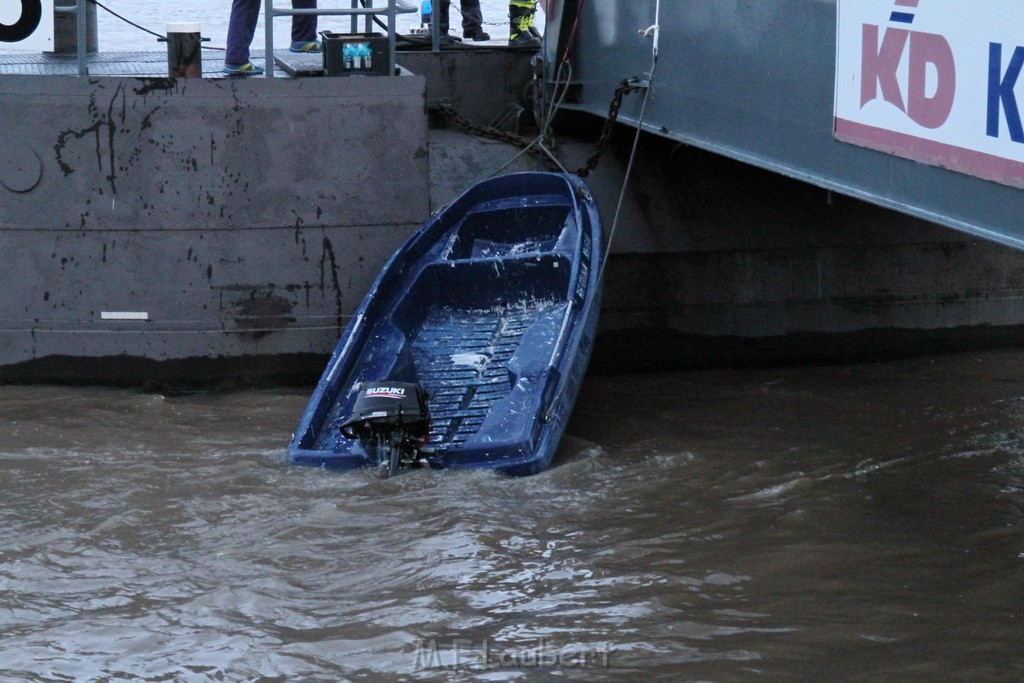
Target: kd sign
(936,81)
(26,24)
(880,60)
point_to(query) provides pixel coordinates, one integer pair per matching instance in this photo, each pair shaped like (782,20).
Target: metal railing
(368,12)
(356,11)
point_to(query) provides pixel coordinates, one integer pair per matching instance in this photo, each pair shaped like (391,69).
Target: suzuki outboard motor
(392,422)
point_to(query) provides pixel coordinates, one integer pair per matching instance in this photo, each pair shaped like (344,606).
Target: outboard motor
(392,422)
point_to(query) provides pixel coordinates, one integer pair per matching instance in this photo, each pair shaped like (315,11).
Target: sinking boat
(469,349)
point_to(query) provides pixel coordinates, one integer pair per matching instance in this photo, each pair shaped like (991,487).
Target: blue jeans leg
(303,26)
(241,29)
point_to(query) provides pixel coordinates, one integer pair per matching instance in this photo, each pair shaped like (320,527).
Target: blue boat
(469,349)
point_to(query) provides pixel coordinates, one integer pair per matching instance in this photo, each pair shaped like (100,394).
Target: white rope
(655,30)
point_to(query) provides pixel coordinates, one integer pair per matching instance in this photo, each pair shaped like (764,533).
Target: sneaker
(247,69)
(477,36)
(306,46)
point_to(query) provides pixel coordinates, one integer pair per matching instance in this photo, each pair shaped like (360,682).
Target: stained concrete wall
(247,218)
(481,83)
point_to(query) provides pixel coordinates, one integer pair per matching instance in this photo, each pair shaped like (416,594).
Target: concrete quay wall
(242,220)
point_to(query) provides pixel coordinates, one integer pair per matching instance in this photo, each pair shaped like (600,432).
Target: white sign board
(937,81)
(26,25)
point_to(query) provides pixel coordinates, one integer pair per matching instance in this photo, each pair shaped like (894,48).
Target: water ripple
(734,525)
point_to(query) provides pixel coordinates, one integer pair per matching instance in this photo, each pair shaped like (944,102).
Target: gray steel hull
(755,81)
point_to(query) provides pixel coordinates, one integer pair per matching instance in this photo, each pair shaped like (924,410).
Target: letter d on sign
(26,25)
(925,49)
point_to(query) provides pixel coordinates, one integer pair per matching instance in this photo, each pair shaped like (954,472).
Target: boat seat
(473,284)
(501,233)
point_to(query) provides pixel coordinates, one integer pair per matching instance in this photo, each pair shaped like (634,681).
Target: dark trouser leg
(241,29)
(472,17)
(443,9)
(303,25)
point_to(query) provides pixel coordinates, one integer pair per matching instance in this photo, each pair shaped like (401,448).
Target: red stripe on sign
(960,159)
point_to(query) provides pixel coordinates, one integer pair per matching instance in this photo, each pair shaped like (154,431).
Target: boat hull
(492,306)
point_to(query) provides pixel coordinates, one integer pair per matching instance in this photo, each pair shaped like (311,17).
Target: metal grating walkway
(144,64)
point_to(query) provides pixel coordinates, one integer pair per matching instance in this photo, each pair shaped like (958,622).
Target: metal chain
(622,89)
(490,132)
(458,8)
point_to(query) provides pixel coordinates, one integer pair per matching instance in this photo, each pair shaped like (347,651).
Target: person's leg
(241,29)
(520,14)
(472,19)
(534,31)
(443,9)
(304,25)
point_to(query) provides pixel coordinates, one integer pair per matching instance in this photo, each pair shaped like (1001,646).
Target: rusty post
(184,50)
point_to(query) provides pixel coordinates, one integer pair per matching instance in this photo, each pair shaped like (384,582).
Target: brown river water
(862,522)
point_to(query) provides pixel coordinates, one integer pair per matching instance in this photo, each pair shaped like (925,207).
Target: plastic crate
(355,54)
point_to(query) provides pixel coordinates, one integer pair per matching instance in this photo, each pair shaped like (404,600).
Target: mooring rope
(141,28)
(653,30)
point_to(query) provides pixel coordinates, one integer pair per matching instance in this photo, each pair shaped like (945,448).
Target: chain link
(621,90)
(458,7)
(490,132)
(449,112)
